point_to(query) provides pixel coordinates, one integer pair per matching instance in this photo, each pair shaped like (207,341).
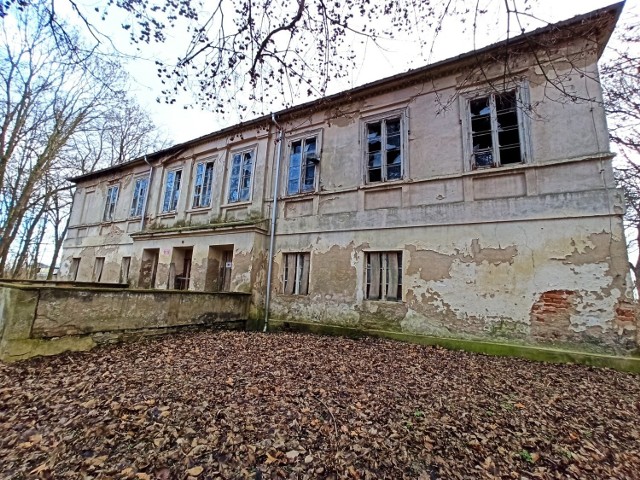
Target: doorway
(149,268)
(219,268)
(180,268)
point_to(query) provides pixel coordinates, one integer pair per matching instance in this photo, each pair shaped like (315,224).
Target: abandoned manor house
(473,198)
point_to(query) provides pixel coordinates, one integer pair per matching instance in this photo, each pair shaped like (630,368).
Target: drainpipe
(274,213)
(146,197)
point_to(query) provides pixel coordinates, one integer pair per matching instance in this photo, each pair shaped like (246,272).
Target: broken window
(384,150)
(73,270)
(110,205)
(384,276)
(296,273)
(240,179)
(139,197)
(495,130)
(172,191)
(202,185)
(97,269)
(303,160)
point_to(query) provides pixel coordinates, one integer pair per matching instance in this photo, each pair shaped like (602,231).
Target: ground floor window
(296,273)
(97,269)
(384,276)
(73,271)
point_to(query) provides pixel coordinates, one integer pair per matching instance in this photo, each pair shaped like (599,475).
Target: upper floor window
(172,191)
(202,185)
(496,130)
(303,159)
(110,205)
(139,196)
(384,149)
(384,276)
(240,179)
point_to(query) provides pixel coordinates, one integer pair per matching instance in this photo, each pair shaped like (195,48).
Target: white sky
(179,124)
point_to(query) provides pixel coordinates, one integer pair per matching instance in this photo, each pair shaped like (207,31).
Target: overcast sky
(401,54)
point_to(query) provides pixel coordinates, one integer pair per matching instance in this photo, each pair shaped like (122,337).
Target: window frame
(242,152)
(521,89)
(175,171)
(198,194)
(383,286)
(403,117)
(109,213)
(303,137)
(136,203)
(302,268)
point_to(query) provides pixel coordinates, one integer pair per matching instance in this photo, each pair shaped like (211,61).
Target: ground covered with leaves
(249,405)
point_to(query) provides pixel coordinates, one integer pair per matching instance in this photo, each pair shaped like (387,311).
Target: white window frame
(199,189)
(383,293)
(175,171)
(137,203)
(242,153)
(303,137)
(523,102)
(111,203)
(400,114)
(301,268)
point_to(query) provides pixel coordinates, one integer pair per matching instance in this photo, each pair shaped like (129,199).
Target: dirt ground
(249,405)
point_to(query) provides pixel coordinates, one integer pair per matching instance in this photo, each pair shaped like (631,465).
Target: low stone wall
(46,320)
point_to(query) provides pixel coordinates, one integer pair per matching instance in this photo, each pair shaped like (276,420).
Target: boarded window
(384,150)
(495,130)
(384,276)
(139,197)
(202,185)
(296,273)
(110,205)
(97,269)
(172,191)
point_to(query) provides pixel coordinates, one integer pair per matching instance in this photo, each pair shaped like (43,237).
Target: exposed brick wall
(552,304)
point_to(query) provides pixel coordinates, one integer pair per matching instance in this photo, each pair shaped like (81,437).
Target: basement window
(139,197)
(303,160)
(172,191)
(110,205)
(296,273)
(384,149)
(496,130)
(384,276)
(202,185)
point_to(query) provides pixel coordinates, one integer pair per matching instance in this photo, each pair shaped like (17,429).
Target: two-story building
(470,198)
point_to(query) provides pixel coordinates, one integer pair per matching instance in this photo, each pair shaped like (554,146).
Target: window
(73,270)
(296,273)
(139,197)
(97,269)
(124,269)
(303,159)
(384,150)
(172,191)
(202,186)
(496,130)
(384,276)
(240,180)
(110,205)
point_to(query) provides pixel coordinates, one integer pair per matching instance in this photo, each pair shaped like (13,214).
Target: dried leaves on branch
(240,405)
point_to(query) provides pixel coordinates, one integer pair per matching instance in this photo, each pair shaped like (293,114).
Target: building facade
(471,198)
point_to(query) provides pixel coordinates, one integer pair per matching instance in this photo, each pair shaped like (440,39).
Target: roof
(571,26)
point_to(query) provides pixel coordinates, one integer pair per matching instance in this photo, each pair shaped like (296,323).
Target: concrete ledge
(535,353)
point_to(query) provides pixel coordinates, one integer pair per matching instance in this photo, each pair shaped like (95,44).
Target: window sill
(171,214)
(230,206)
(198,209)
(299,196)
(390,183)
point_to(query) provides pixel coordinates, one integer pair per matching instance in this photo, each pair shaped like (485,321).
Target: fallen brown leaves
(249,405)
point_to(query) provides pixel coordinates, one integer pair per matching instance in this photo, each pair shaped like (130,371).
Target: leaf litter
(236,405)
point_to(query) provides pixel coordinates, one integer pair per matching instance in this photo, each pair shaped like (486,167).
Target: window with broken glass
(202,185)
(303,160)
(384,276)
(139,197)
(172,191)
(384,150)
(296,273)
(110,205)
(240,179)
(496,130)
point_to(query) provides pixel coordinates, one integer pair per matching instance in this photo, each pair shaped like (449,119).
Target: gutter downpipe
(274,214)
(146,197)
